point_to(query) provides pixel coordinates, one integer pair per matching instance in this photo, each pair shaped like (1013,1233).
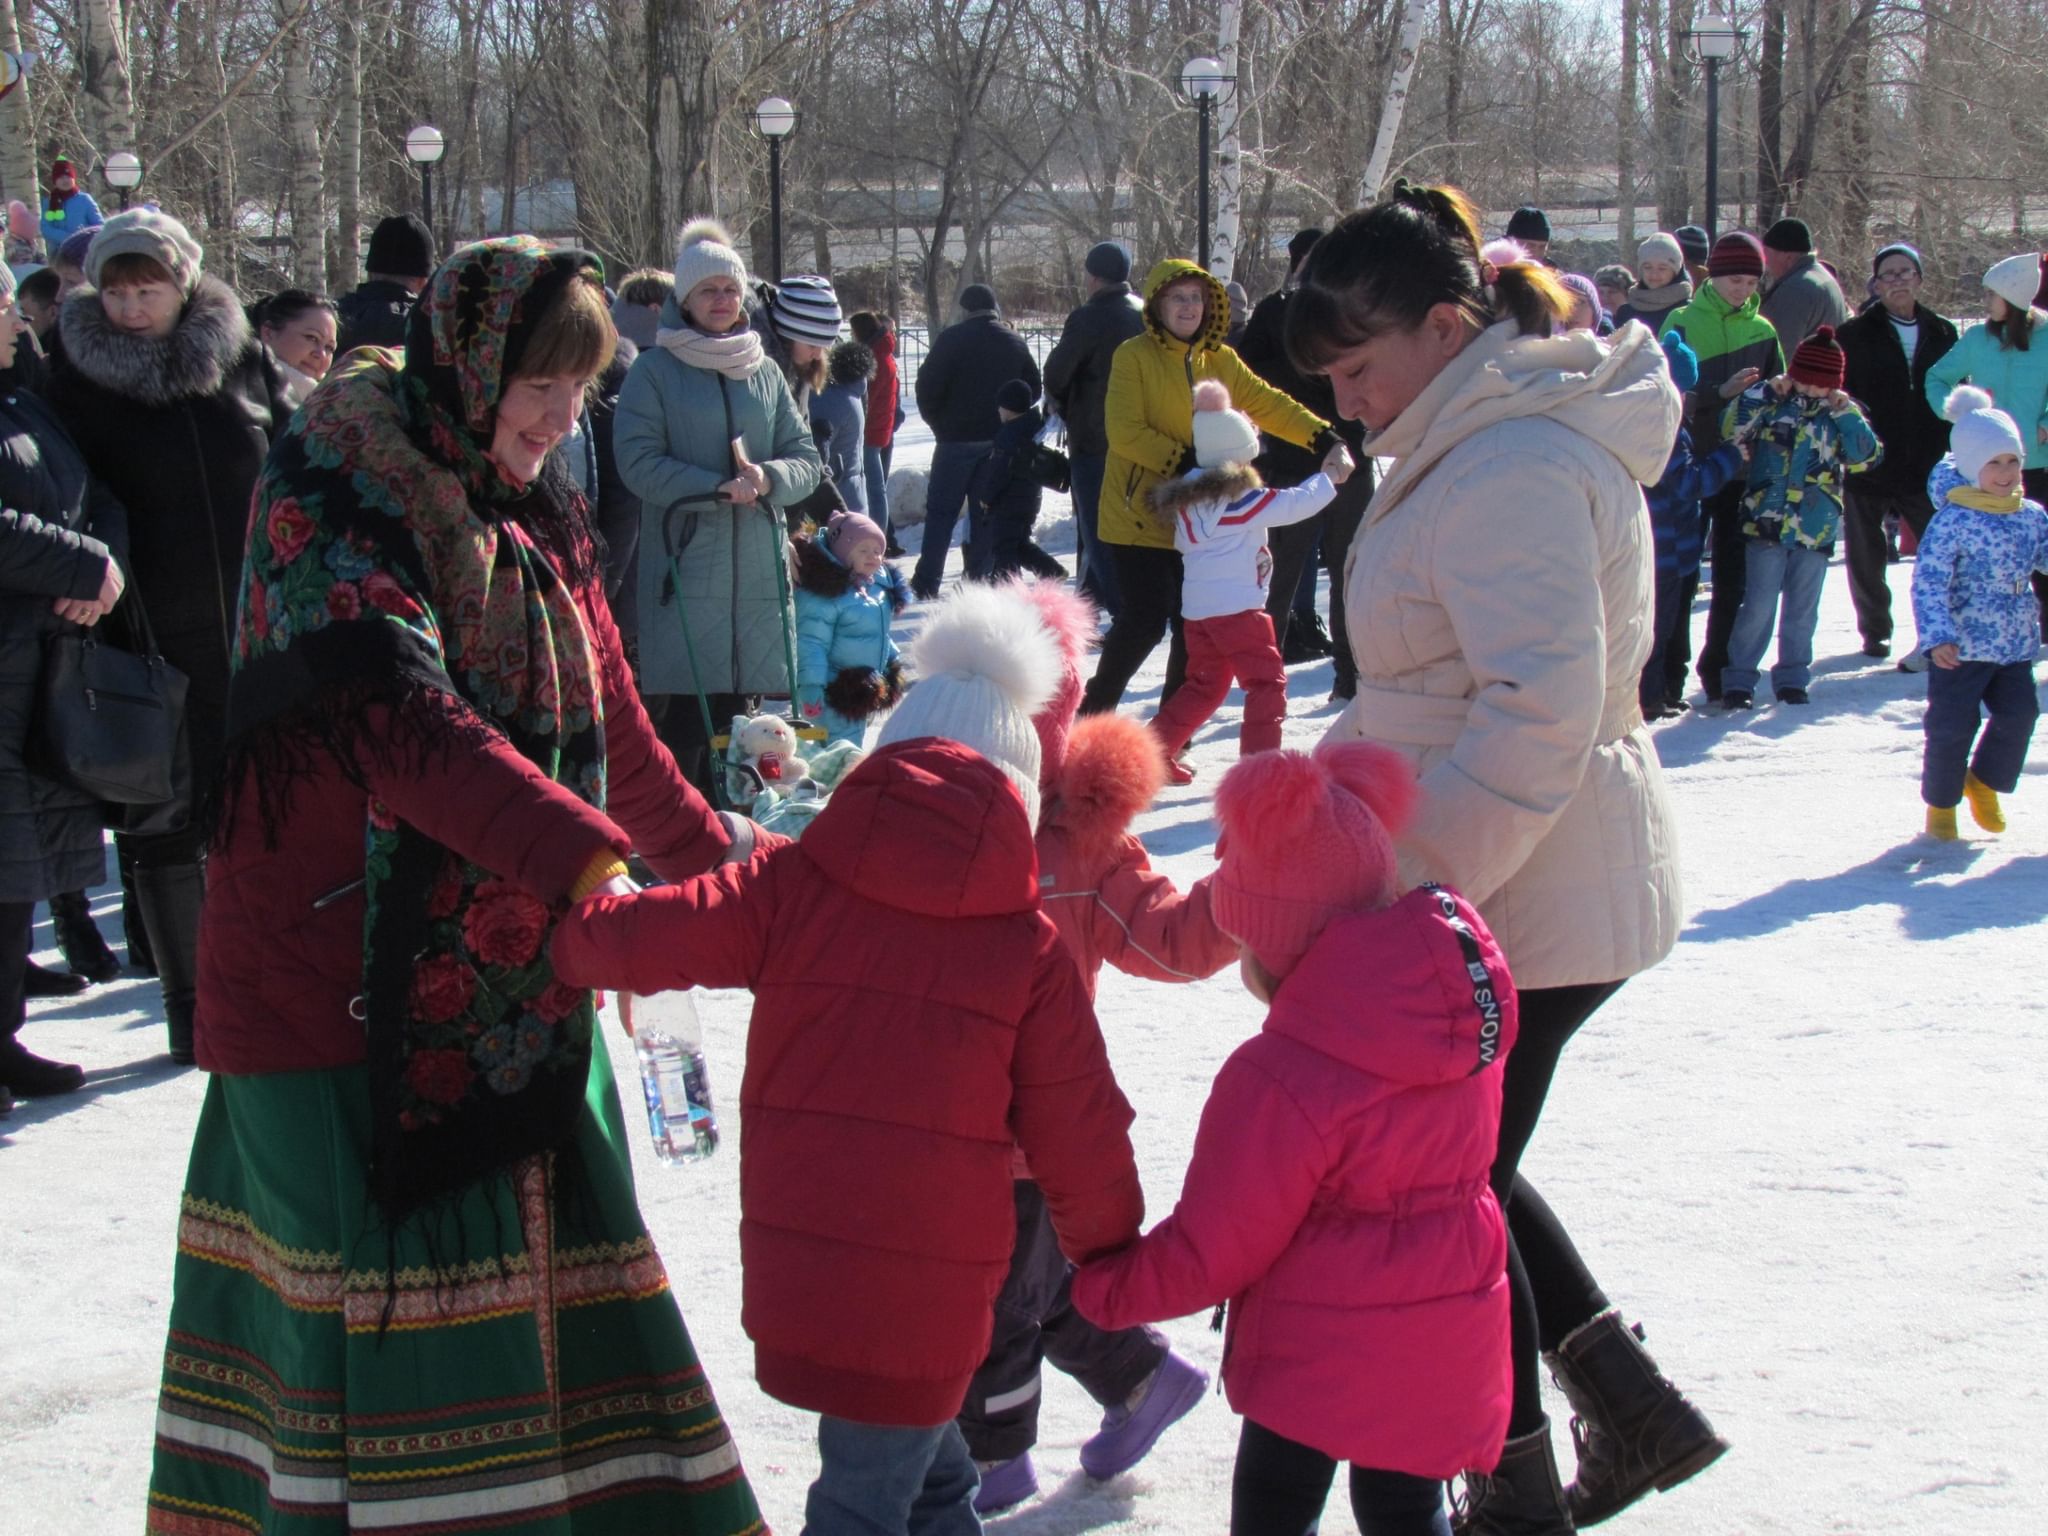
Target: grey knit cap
(147,232)
(704,249)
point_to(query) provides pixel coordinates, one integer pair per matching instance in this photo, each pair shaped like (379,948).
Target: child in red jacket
(887,1079)
(1111,907)
(1338,1196)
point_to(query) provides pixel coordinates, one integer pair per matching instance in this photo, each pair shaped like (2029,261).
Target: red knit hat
(1304,839)
(1736,254)
(1819,362)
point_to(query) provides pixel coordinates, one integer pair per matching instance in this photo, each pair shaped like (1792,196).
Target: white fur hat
(1981,431)
(705,249)
(1222,435)
(2016,280)
(985,664)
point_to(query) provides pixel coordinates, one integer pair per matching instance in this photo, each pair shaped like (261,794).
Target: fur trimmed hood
(1226,482)
(1113,768)
(193,362)
(818,573)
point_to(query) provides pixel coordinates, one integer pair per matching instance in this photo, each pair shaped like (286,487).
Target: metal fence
(914,341)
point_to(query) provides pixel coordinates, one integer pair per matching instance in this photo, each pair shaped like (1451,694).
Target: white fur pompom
(992,633)
(1965,399)
(697,231)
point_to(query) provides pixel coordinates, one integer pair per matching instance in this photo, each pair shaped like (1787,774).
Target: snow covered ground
(1809,1151)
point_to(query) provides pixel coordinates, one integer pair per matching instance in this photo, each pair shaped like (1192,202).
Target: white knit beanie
(985,664)
(806,309)
(2016,279)
(705,249)
(146,232)
(1222,435)
(1981,431)
(1664,248)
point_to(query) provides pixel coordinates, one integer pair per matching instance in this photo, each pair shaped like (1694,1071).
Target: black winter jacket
(178,429)
(1894,396)
(57,528)
(1077,372)
(1265,352)
(968,363)
(374,315)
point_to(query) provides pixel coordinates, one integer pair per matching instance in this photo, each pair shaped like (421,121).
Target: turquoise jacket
(1800,453)
(672,442)
(841,625)
(2017,381)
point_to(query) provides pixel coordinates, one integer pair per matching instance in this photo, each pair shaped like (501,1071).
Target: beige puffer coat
(1499,600)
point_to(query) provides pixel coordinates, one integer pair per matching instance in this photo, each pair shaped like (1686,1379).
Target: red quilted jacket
(915,1014)
(1338,1200)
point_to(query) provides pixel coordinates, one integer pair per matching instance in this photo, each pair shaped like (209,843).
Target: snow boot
(1131,1428)
(1941,823)
(171,896)
(1520,1497)
(1634,1430)
(37,981)
(79,938)
(135,932)
(26,1075)
(1005,1483)
(1984,807)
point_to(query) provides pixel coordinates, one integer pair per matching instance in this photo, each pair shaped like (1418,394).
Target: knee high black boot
(79,938)
(171,896)
(1634,1430)
(1520,1497)
(132,926)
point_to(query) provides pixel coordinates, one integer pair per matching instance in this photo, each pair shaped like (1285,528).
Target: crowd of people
(467,571)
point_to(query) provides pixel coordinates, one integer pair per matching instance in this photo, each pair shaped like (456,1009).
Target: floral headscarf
(396,604)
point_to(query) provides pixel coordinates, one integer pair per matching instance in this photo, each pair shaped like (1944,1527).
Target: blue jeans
(876,1480)
(1954,695)
(874,463)
(952,468)
(1773,571)
(1096,571)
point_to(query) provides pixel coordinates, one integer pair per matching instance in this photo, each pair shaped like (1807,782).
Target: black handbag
(1044,465)
(110,723)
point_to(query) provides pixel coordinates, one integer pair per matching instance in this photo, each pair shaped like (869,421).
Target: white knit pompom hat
(1222,435)
(985,664)
(2016,280)
(705,249)
(1981,431)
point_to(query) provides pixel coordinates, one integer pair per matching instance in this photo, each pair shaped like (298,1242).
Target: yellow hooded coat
(1150,411)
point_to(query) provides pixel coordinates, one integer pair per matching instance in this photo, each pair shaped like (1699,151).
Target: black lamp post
(423,146)
(123,172)
(1203,79)
(1714,38)
(775,118)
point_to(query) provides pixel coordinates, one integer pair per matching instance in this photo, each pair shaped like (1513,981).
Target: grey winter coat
(1803,301)
(56,526)
(672,441)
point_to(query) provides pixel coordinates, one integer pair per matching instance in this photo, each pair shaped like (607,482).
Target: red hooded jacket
(1338,1199)
(884,391)
(915,1015)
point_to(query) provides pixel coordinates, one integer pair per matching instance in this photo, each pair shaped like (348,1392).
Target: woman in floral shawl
(413,1289)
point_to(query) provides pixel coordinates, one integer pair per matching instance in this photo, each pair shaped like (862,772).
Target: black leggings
(1553,1292)
(1279,1488)
(1148,585)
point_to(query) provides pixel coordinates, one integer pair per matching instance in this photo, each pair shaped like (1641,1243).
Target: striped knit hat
(806,309)
(1736,254)
(1820,362)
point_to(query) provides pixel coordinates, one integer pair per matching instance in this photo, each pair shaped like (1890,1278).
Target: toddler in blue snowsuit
(847,597)
(1979,623)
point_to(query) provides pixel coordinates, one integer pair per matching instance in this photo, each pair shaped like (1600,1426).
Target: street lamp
(123,172)
(1203,79)
(1714,38)
(423,146)
(776,119)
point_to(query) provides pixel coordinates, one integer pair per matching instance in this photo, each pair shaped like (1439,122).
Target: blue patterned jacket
(1970,582)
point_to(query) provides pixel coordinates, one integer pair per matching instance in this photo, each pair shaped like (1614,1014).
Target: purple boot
(1130,1430)
(1006,1483)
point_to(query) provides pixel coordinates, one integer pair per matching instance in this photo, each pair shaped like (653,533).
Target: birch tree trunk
(107,103)
(1229,148)
(348,150)
(1412,16)
(17,127)
(679,116)
(1628,126)
(308,186)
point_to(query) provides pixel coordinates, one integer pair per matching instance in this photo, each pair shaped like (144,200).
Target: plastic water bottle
(678,1089)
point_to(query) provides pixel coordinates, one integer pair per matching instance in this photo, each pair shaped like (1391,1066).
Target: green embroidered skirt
(520,1368)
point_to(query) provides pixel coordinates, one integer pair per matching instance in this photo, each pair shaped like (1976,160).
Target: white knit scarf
(737,354)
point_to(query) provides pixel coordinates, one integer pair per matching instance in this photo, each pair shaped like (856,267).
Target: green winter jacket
(672,441)
(2017,381)
(1726,341)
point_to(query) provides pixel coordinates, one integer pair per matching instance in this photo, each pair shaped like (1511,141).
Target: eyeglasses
(1898,274)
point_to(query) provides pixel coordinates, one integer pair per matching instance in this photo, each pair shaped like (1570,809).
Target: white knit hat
(2016,279)
(985,664)
(1222,435)
(704,249)
(1664,248)
(806,309)
(1981,431)
(146,232)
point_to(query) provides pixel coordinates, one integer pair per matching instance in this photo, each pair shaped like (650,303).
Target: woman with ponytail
(1499,606)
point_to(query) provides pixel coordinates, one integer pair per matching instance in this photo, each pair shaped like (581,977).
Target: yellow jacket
(1150,412)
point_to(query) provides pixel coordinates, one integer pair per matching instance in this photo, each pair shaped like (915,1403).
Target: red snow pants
(1239,646)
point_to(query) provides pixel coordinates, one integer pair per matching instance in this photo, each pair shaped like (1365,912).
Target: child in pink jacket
(1338,1196)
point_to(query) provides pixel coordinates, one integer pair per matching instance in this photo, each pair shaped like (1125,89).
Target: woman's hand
(1947,657)
(740,492)
(1739,382)
(90,610)
(1338,464)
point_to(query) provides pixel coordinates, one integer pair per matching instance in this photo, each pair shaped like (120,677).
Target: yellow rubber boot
(1984,807)
(1941,823)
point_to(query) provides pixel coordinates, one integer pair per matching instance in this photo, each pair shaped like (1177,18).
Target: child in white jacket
(1220,512)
